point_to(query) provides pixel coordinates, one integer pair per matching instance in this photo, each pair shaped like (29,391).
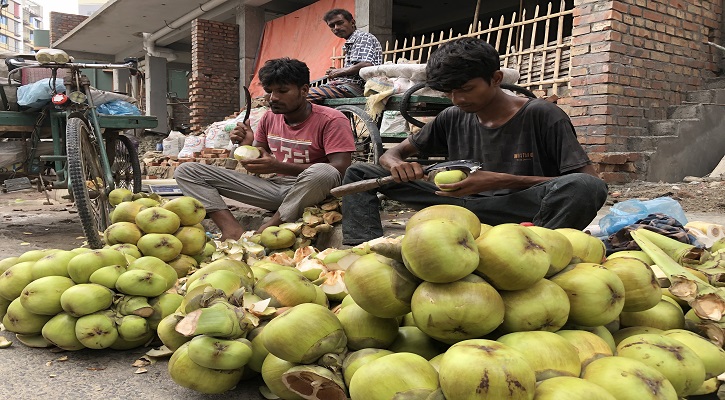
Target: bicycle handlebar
(19,63)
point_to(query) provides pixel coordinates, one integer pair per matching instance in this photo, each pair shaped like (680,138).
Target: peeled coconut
(286,288)
(624,333)
(353,361)
(512,257)
(677,362)
(42,296)
(394,375)
(641,289)
(450,312)
(380,285)
(586,248)
(440,251)
(570,388)
(666,315)
(246,152)
(588,346)
(548,354)
(411,339)
(711,355)
(364,330)
(557,246)
(629,379)
(542,307)
(272,370)
(190,375)
(484,369)
(303,333)
(460,215)
(596,295)
(17,319)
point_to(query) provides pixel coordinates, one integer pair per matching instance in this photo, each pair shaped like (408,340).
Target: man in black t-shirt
(534,169)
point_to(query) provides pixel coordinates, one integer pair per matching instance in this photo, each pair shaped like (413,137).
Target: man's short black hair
(337,11)
(458,61)
(284,71)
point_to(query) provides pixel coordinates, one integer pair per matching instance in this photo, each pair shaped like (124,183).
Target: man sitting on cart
(362,49)
(534,169)
(307,147)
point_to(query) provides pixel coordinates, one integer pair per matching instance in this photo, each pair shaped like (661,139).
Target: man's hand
(265,164)
(484,181)
(242,134)
(477,182)
(406,171)
(333,73)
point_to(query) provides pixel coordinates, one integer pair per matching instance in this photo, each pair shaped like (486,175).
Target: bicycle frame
(88,110)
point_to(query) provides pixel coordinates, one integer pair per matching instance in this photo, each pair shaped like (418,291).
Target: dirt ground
(694,197)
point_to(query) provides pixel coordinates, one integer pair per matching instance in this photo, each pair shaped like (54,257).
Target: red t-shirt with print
(324,132)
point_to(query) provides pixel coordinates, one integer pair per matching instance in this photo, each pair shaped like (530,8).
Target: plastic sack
(630,211)
(217,137)
(38,94)
(393,122)
(118,107)
(172,145)
(192,144)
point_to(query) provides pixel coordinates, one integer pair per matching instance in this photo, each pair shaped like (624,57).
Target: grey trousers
(570,201)
(287,194)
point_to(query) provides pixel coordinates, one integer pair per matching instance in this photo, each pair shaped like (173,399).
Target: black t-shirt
(539,140)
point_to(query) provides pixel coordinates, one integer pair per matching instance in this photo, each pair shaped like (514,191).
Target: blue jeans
(568,201)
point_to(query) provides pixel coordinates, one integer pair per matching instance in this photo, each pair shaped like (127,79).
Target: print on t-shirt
(289,150)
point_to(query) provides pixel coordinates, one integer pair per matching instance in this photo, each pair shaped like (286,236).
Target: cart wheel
(405,101)
(125,165)
(405,104)
(87,182)
(368,146)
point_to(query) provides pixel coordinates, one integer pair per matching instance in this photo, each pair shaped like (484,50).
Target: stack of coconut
(459,310)
(111,297)
(454,309)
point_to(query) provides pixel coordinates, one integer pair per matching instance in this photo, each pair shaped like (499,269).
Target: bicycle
(87,161)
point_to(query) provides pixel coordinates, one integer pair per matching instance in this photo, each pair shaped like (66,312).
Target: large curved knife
(430,170)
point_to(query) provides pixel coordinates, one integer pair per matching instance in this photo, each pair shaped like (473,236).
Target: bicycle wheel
(368,145)
(87,182)
(125,165)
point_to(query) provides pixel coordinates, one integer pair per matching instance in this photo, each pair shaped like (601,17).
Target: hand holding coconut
(242,134)
(266,163)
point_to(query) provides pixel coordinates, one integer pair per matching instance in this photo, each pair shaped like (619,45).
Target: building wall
(62,23)
(631,59)
(215,84)
(11,27)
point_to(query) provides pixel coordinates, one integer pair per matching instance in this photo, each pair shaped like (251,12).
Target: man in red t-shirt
(308,148)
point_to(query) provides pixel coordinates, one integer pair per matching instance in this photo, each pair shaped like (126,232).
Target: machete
(430,170)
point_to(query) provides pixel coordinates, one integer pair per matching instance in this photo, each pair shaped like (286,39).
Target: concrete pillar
(156,88)
(251,26)
(121,82)
(376,17)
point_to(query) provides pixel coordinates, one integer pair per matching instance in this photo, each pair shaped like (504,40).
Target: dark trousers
(569,201)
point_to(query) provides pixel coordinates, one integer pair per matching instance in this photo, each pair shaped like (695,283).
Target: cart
(90,154)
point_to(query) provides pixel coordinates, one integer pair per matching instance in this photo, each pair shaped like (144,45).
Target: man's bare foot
(233,234)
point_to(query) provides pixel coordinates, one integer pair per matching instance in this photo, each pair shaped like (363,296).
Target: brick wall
(214,92)
(61,24)
(180,113)
(630,60)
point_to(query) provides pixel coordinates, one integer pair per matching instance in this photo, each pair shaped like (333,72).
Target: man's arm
(349,71)
(394,161)
(268,163)
(482,181)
